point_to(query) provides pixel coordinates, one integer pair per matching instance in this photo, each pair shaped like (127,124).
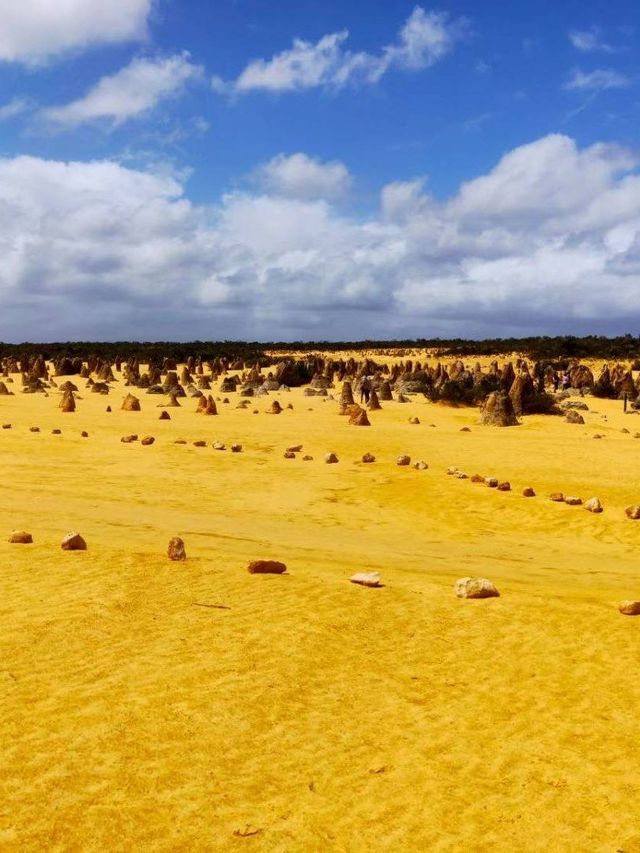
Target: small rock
(34,429)
(147,440)
(573,417)
(403,460)
(451,470)
(294,448)
(366,578)
(414,420)
(331,458)
(180,441)
(629,608)
(477,478)
(176,550)
(165,416)
(460,475)
(307,458)
(368,458)
(108,409)
(420,465)
(84,434)
(266,567)
(200,443)
(573,501)
(504,487)
(593,505)
(21,537)
(6,426)
(56,432)
(218,445)
(465,429)
(236,448)
(127,439)
(492,482)
(558,497)
(73,542)
(288,454)
(633,511)
(475,588)
(528,492)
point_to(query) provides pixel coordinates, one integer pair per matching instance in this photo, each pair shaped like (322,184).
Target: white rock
(475,588)
(366,578)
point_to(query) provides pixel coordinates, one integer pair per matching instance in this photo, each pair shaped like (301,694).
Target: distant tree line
(538,348)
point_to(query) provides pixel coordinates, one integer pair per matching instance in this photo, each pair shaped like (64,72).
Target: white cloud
(33,31)
(135,89)
(589,41)
(15,108)
(424,39)
(596,81)
(547,241)
(301,176)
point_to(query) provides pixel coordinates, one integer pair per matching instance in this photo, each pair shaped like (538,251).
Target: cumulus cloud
(547,241)
(424,39)
(135,89)
(301,176)
(34,31)
(596,81)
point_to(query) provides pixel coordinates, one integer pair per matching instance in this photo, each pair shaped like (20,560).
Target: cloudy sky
(315,169)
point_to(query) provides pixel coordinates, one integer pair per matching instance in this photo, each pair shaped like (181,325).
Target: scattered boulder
(21,537)
(73,542)
(360,419)
(131,404)
(275,409)
(633,511)
(266,567)
(557,497)
(371,579)
(84,434)
(200,443)
(288,454)
(368,458)
(497,410)
(492,482)
(573,417)
(34,429)
(330,458)
(477,478)
(528,492)
(176,550)
(403,460)
(308,458)
(504,487)
(294,448)
(236,448)
(165,416)
(219,445)
(128,439)
(629,608)
(147,440)
(573,501)
(475,588)
(420,465)
(593,505)
(414,420)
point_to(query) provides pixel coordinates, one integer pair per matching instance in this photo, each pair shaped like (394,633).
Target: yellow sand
(312,714)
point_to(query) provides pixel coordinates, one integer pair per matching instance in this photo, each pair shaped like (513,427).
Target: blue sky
(187,169)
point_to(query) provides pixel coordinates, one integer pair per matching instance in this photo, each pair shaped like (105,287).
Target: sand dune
(152,705)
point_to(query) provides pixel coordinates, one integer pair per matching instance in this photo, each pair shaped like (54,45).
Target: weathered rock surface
(176,550)
(73,542)
(266,567)
(475,588)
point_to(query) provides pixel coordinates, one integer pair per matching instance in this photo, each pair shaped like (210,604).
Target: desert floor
(307,713)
